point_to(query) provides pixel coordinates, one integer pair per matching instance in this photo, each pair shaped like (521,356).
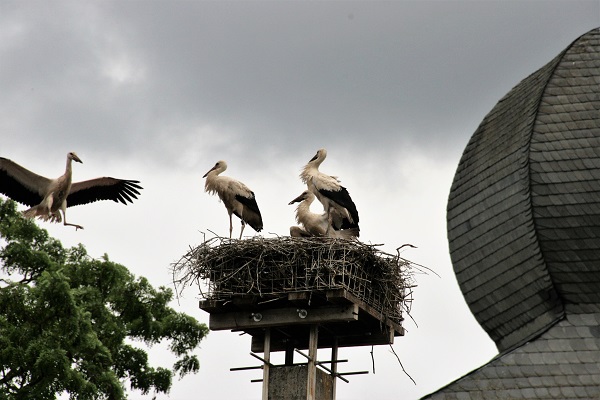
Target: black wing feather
(249,202)
(117,190)
(342,197)
(346,224)
(254,219)
(18,183)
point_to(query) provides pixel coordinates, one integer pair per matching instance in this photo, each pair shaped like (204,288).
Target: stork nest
(269,268)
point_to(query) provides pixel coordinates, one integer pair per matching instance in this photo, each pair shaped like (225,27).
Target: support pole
(267,357)
(289,353)
(311,381)
(334,364)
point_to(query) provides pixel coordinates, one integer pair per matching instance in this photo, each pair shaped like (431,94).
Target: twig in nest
(402,366)
(373,358)
(271,267)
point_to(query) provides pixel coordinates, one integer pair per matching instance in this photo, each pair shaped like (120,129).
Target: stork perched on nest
(334,197)
(237,198)
(318,224)
(48,197)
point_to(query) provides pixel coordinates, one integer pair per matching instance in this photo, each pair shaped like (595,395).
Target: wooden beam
(210,306)
(267,355)
(325,341)
(334,366)
(240,320)
(311,381)
(299,298)
(289,353)
(341,296)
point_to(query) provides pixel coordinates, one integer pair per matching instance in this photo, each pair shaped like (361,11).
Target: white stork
(333,196)
(48,197)
(237,197)
(318,224)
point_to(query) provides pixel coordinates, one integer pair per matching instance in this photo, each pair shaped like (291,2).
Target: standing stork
(49,197)
(334,197)
(318,224)
(237,197)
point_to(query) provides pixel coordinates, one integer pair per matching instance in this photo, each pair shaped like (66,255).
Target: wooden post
(334,364)
(311,381)
(289,353)
(267,357)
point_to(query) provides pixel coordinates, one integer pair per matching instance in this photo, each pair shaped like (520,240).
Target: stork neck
(308,171)
(212,175)
(303,206)
(212,181)
(69,168)
(302,211)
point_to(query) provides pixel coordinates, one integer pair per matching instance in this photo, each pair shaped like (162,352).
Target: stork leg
(230,226)
(65,223)
(242,231)
(329,222)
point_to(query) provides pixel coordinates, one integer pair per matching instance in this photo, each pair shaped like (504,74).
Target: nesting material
(274,267)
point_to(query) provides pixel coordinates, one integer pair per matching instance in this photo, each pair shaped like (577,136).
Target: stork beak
(76,158)
(315,157)
(297,199)
(212,169)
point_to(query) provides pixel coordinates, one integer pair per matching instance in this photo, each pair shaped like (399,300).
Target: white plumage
(237,198)
(314,224)
(49,197)
(334,197)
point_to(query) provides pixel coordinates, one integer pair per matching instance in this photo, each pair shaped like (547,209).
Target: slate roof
(524,209)
(524,233)
(563,363)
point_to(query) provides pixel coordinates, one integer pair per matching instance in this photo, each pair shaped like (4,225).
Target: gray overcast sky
(160,90)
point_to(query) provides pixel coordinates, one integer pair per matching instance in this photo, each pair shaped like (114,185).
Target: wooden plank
(325,341)
(237,301)
(299,298)
(240,320)
(210,306)
(339,296)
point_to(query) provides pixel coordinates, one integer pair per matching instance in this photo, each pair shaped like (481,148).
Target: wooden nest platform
(354,292)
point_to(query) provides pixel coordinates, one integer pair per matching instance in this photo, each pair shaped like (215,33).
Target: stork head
(219,167)
(73,156)
(306,195)
(319,157)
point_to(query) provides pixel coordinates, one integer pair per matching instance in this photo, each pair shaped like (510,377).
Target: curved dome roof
(524,209)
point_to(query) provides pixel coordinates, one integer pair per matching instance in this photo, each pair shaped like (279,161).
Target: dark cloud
(364,74)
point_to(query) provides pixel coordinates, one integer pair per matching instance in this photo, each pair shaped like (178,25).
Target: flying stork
(317,224)
(237,197)
(48,197)
(333,196)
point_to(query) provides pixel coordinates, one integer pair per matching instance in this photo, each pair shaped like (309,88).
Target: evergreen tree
(69,323)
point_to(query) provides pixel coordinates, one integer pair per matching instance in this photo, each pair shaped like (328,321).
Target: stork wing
(103,189)
(322,181)
(249,202)
(296,231)
(20,184)
(342,197)
(252,214)
(340,221)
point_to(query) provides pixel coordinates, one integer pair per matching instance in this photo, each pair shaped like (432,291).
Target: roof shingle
(524,232)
